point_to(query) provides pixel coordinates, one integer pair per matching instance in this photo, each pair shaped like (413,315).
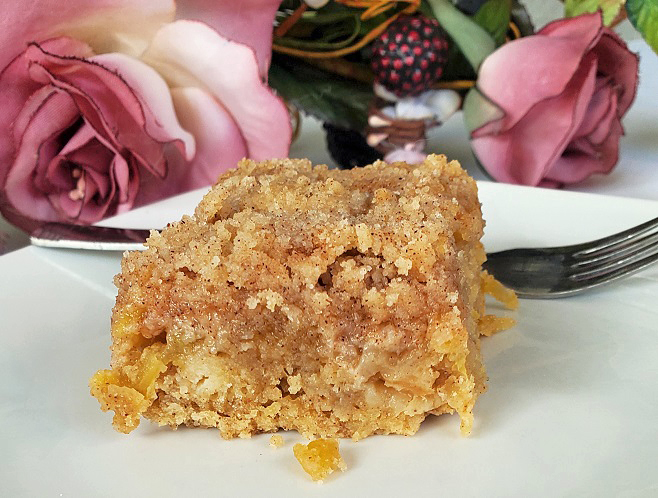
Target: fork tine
(612,242)
(621,252)
(615,274)
(610,265)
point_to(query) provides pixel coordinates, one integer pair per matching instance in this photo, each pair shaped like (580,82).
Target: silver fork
(563,271)
(531,273)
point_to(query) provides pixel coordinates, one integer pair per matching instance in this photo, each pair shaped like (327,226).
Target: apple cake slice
(332,302)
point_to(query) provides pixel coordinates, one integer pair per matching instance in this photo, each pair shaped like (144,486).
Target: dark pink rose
(120,105)
(558,99)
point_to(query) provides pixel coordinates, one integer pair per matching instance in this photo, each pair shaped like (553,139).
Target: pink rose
(107,105)
(558,99)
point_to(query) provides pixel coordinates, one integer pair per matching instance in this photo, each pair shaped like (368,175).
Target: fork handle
(93,237)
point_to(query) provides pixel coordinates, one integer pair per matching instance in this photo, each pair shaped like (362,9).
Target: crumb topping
(339,303)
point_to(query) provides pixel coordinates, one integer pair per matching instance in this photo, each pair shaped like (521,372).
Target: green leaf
(473,41)
(494,16)
(610,8)
(457,67)
(332,32)
(479,110)
(643,14)
(328,97)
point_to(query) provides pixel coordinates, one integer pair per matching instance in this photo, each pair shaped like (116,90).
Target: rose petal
(152,188)
(80,138)
(107,103)
(219,146)
(220,142)
(104,23)
(581,146)
(185,51)
(249,22)
(601,131)
(152,91)
(32,105)
(616,61)
(577,27)
(524,153)
(515,80)
(101,180)
(48,175)
(19,94)
(93,159)
(21,187)
(572,168)
(599,106)
(126,176)
(59,170)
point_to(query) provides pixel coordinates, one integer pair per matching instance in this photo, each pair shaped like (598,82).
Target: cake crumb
(492,324)
(276,441)
(319,458)
(498,291)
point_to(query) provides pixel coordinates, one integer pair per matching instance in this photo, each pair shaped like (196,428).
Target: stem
(289,21)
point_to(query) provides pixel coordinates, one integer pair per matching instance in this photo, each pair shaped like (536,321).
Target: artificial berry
(410,55)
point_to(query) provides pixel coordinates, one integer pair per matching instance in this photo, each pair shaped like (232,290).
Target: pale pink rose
(561,95)
(115,104)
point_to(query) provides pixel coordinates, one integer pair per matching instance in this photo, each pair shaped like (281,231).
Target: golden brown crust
(336,303)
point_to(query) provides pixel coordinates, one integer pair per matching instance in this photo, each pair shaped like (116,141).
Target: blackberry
(410,55)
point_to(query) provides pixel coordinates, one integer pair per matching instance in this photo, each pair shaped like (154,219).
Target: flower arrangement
(541,107)
(112,104)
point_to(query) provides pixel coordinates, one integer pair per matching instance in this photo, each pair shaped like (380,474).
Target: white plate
(571,410)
